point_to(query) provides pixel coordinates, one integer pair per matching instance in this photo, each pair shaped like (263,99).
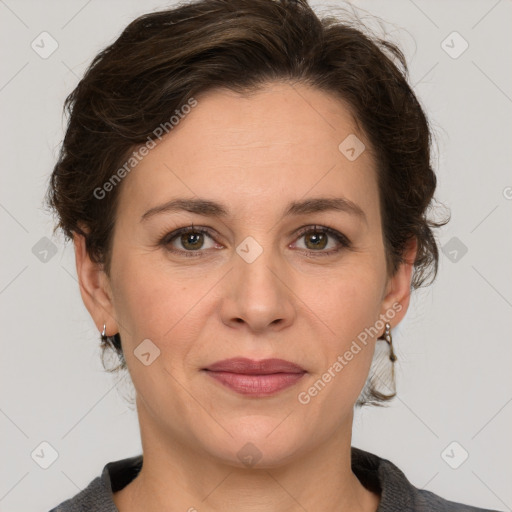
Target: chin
(258,442)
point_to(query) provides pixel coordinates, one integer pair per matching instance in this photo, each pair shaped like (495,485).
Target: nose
(258,295)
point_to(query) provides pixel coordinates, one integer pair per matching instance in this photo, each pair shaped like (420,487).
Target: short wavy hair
(162,59)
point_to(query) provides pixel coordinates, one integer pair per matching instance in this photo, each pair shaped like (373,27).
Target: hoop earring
(389,340)
(104,336)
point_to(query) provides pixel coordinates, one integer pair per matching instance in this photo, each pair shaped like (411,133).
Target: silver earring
(104,336)
(389,340)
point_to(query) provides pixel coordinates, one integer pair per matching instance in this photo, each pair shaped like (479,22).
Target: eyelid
(169,236)
(324,229)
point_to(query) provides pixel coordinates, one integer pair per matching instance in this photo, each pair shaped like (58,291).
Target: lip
(256,378)
(247,366)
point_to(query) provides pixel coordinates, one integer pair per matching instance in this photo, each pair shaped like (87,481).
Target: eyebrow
(213,209)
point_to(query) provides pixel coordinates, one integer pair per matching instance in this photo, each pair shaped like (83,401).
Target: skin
(254,154)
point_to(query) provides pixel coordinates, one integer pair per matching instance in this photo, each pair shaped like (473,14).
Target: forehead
(273,116)
(280,140)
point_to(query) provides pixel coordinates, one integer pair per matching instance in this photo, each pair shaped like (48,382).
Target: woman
(246,188)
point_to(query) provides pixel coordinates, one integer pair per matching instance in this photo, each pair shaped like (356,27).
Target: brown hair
(162,59)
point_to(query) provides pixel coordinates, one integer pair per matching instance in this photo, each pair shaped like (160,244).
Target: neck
(175,477)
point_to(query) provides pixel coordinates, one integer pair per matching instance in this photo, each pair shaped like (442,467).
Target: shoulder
(94,497)
(98,495)
(429,501)
(397,493)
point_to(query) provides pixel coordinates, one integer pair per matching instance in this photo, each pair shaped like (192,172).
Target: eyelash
(339,237)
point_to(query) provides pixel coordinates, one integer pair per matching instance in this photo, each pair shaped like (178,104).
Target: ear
(398,288)
(94,288)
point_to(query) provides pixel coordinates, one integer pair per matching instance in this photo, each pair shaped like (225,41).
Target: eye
(190,238)
(192,241)
(317,239)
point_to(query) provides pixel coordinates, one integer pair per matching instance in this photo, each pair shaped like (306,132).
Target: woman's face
(260,283)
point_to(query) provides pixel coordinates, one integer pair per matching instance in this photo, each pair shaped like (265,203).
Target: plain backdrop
(454,347)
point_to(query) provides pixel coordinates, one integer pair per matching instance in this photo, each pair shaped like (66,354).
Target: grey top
(376,474)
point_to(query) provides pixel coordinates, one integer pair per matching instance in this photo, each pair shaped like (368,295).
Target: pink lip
(256,378)
(251,367)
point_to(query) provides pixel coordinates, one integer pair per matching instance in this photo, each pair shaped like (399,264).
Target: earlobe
(399,285)
(94,287)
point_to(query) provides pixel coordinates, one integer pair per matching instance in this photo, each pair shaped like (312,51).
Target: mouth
(256,378)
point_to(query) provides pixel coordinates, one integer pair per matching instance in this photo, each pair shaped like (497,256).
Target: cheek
(351,299)
(152,304)
(349,305)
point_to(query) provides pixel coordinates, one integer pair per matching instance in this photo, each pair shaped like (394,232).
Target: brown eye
(316,240)
(192,241)
(188,241)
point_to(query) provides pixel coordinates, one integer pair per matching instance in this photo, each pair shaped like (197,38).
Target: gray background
(454,379)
